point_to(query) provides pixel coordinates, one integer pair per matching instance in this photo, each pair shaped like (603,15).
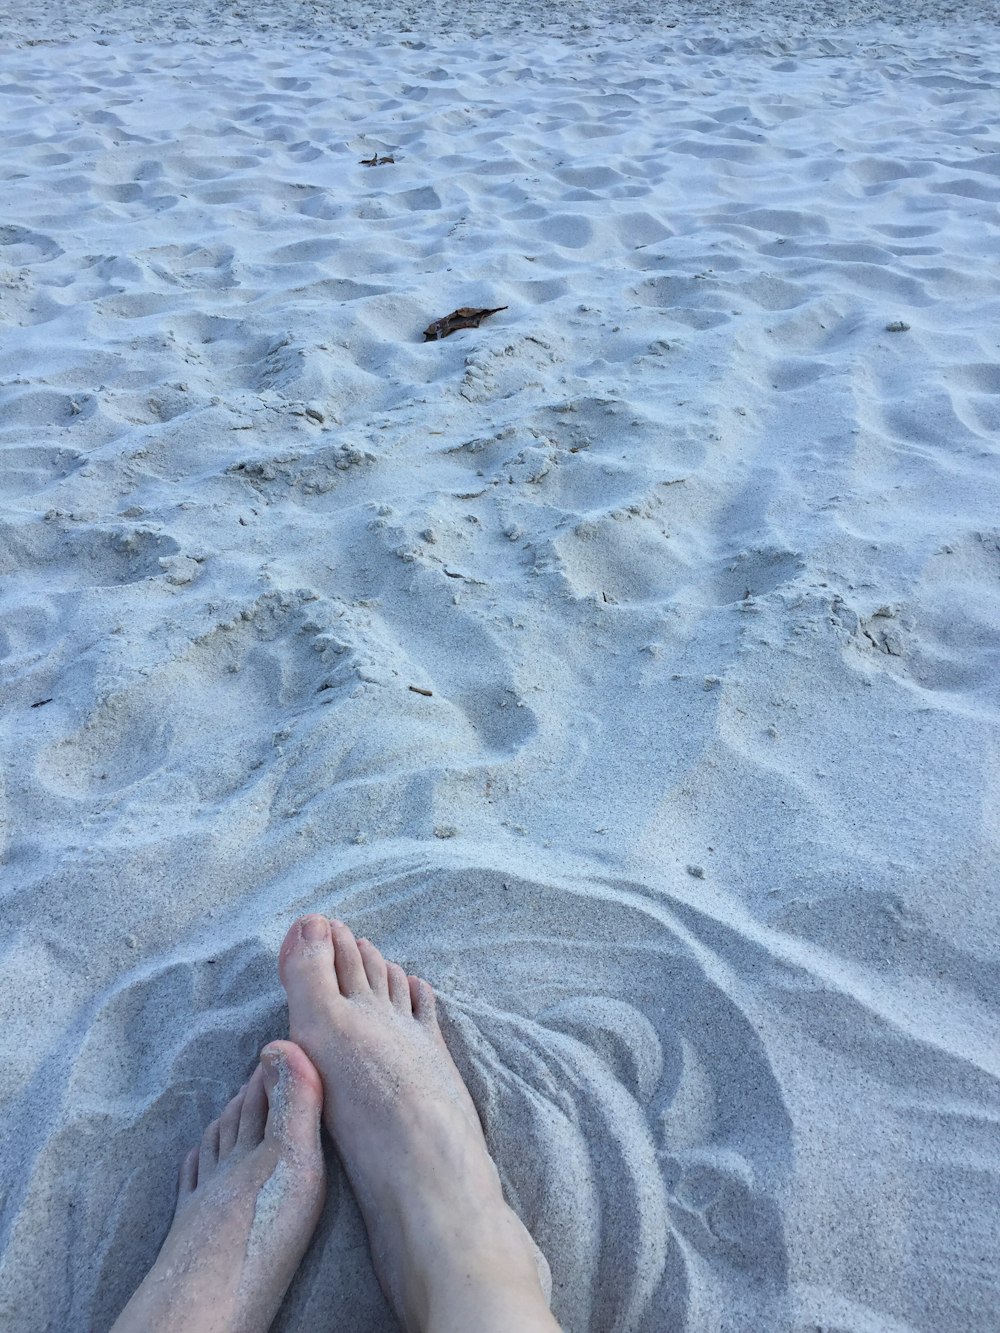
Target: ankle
(482,1274)
(491,1302)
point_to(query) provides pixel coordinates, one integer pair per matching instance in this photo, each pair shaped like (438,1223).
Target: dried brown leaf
(465,317)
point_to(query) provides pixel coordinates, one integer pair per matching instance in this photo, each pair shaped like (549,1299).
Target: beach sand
(627,666)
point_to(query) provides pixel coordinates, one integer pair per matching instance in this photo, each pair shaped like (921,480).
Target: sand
(627,666)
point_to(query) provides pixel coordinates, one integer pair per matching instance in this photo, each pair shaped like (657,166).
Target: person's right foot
(449,1252)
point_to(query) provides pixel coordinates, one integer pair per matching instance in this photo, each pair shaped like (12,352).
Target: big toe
(294,1102)
(305,965)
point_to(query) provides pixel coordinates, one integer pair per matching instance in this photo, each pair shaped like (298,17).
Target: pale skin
(367,1056)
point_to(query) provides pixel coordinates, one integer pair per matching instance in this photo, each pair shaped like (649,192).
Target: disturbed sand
(627,666)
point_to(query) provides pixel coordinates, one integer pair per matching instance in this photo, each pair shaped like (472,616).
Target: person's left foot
(248,1203)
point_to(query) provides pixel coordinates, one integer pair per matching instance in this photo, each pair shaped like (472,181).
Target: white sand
(696,832)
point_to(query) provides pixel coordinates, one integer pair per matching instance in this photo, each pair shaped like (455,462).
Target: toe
(229,1124)
(347,960)
(422,1000)
(375,968)
(188,1176)
(253,1113)
(294,1100)
(208,1152)
(399,988)
(306,968)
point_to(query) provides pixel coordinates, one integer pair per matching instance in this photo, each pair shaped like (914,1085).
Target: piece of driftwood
(465,317)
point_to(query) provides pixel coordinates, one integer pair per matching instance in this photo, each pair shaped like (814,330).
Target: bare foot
(247,1205)
(449,1252)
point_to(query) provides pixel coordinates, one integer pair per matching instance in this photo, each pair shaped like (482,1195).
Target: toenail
(314,928)
(272,1058)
